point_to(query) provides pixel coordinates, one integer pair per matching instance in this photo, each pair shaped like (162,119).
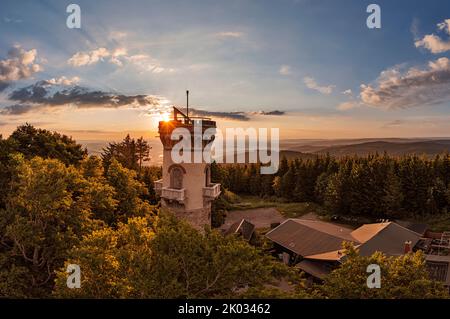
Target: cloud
(415,87)
(276,112)
(433,42)
(414,28)
(49,95)
(347,92)
(312,84)
(19,109)
(116,54)
(236,116)
(94,56)
(445,26)
(395,123)
(422,122)
(345,106)
(54,94)
(63,81)
(117,35)
(12,20)
(19,65)
(229,34)
(119,57)
(145,62)
(285,70)
(88,58)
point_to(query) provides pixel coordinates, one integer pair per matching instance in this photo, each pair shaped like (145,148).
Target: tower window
(207,175)
(176,177)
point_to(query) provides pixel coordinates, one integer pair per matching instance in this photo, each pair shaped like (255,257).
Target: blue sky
(296,56)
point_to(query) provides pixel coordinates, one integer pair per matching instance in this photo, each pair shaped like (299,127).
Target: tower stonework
(185,188)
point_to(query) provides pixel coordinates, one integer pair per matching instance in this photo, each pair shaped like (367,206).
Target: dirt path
(263,217)
(260,217)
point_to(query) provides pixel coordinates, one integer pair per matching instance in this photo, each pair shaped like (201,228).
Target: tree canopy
(169,259)
(59,206)
(402,277)
(31,141)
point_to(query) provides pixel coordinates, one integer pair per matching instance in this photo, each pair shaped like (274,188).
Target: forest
(60,206)
(376,186)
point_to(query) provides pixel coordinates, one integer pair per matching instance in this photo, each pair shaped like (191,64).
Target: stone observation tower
(185,188)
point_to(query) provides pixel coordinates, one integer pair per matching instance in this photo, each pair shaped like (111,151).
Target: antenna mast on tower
(187,104)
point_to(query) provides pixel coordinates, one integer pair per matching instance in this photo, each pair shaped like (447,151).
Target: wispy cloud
(422,122)
(94,56)
(145,62)
(285,70)
(236,116)
(313,85)
(345,106)
(63,80)
(445,26)
(12,20)
(347,92)
(20,64)
(120,57)
(117,35)
(229,34)
(434,43)
(415,87)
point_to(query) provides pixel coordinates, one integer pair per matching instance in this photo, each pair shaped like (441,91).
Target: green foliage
(403,277)
(128,192)
(31,142)
(44,217)
(375,186)
(148,175)
(58,206)
(114,263)
(172,261)
(130,153)
(190,264)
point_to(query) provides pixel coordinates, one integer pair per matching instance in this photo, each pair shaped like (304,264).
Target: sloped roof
(242,227)
(308,237)
(314,268)
(367,231)
(388,238)
(321,241)
(334,255)
(416,227)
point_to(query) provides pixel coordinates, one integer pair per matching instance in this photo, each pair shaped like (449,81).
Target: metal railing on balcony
(212,191)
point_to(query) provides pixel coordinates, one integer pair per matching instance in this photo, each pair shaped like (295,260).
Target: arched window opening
(207,176)
(176,178)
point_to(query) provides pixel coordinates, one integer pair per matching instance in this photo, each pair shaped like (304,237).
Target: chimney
(407,247)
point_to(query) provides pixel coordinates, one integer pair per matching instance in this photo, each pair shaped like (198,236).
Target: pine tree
(142,151)
(393,195)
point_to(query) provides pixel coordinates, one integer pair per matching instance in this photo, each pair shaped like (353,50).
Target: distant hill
(284,153)
(429,148)
(294,154)
(310,149)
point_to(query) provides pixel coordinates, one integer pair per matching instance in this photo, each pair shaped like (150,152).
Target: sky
(311,68)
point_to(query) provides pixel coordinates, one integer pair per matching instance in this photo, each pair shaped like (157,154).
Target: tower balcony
(178,195)
(212,191)
(158,186)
